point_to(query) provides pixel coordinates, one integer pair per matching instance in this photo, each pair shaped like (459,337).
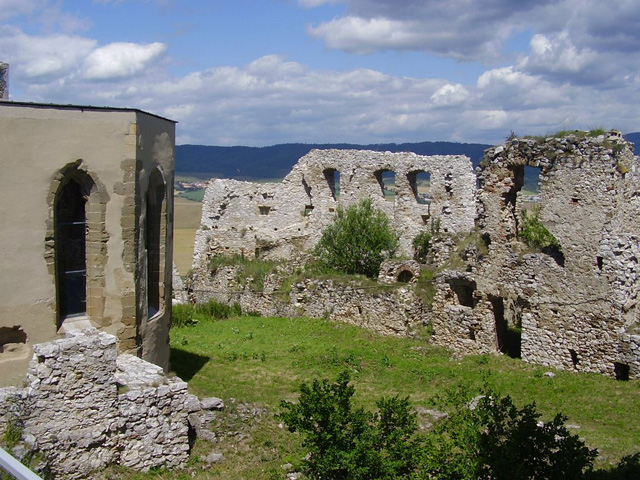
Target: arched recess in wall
(155,242)
(333,180)
(387,181)
(76,251)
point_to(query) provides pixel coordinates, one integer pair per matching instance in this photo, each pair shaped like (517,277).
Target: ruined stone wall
(388,308)
(577,309)
(85,408)
(281,220)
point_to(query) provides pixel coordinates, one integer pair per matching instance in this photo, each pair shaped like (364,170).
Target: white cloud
(11,8)
(450,95)
(42,58)
(317,3)
(118,60)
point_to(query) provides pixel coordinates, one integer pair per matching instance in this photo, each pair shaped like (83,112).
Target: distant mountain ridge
(276,161)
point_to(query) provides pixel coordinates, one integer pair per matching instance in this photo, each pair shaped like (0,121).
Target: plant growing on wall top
(357,241)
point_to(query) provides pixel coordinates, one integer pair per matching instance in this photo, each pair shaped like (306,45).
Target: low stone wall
(85,408)
(388,308)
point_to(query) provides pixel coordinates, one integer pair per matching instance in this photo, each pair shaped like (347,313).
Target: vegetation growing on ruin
(256,269)
(422,246)
(534,233)
(357,241)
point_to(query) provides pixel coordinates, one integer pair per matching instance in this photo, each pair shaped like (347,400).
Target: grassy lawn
(262,361)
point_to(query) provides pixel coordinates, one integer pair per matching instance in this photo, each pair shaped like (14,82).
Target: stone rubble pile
(85,408)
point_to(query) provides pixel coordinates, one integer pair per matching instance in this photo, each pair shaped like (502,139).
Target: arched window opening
(387,181)
(154,233)
(420,182)
(333,180)
(70,250)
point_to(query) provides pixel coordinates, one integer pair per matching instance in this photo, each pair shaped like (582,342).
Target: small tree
(357,241)
(496,440)
(348,443)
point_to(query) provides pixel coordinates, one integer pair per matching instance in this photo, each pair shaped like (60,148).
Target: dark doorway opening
(509,337)
(70,242)
(621,371)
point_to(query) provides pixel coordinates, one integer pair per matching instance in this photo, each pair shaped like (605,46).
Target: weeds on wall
(256,269)
(534,233)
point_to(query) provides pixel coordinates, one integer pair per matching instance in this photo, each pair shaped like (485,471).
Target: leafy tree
(345,442)
(493,439)
(357,241)
(489,439)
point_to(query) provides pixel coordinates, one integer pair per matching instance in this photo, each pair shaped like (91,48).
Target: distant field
(195,195)
(187,215)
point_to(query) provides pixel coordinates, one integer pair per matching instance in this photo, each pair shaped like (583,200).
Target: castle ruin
(573,306)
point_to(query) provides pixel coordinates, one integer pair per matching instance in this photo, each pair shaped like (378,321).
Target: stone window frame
(333,181)
(96,237)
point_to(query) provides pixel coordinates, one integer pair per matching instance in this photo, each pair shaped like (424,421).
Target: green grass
(264,361)
(193,195)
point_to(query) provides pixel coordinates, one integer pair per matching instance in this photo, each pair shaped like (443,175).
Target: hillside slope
(247,163)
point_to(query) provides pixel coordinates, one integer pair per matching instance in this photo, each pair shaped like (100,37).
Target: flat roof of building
(12,103)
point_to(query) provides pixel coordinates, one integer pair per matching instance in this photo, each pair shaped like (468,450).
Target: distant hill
(249,163)
(635,139)
(276,161)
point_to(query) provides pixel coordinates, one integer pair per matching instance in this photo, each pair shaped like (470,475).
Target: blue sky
(261,72)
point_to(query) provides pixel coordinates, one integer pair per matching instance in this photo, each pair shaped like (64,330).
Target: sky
(263,72)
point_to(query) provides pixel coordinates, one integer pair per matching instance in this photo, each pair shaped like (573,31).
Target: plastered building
(86,207)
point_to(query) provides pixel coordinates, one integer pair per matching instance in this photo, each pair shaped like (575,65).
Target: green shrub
(345,442)
(188,315)
(534,233)
(357,241)
(421,246)
(492,438)
(182,315)
(215,309)
(489,439)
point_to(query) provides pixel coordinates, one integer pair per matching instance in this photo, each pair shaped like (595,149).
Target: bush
(489,439)
(494,439)
(188,315)
(421,246)
(534,233)
(349,443)
(357,241)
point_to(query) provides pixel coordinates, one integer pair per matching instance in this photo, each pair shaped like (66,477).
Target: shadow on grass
(186,364)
